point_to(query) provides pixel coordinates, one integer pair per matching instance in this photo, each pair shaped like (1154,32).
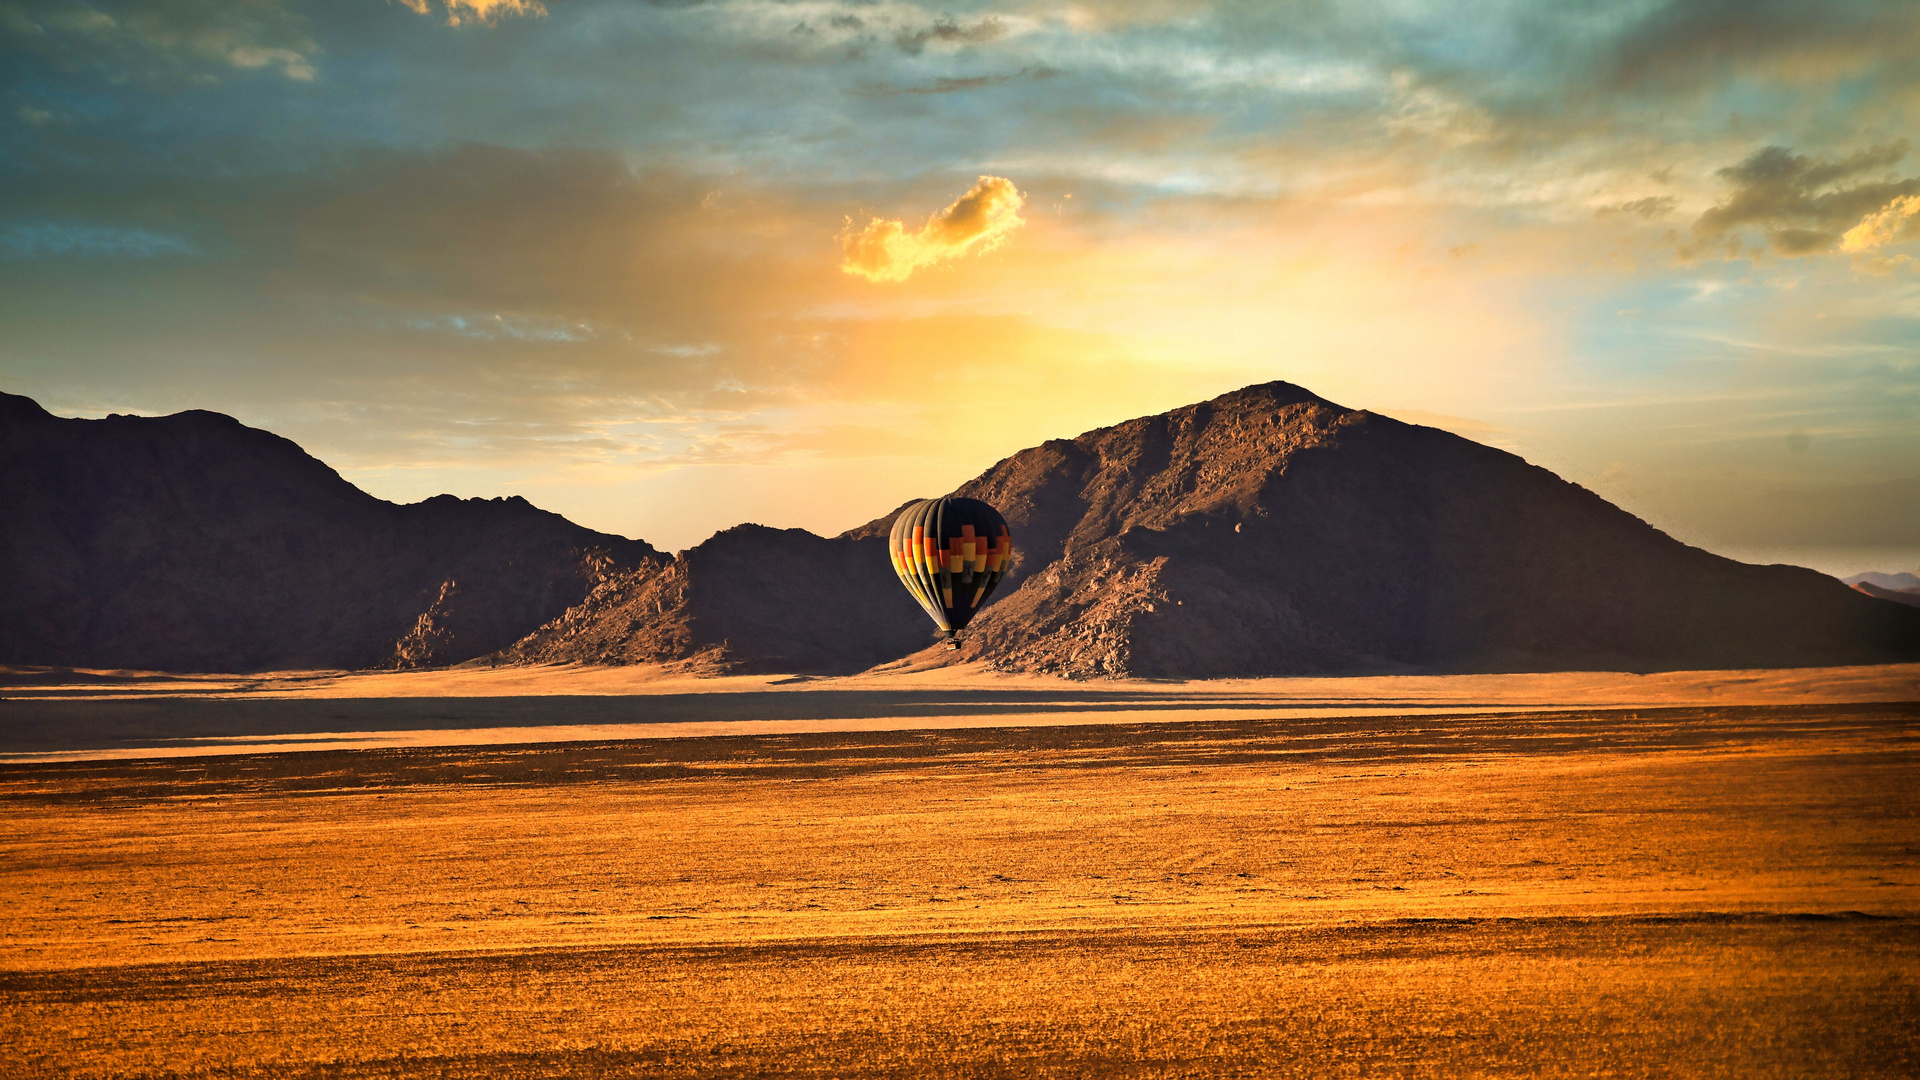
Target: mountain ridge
(194,542)
(1902,582)
(1267,531)
(1246,535)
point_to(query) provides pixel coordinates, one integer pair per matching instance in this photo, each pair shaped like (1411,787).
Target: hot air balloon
(950,553)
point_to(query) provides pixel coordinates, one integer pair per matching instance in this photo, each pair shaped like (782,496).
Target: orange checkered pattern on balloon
(980,554)
(961,553)
(931,567)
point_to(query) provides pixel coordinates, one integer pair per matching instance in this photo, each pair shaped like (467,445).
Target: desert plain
(585,872)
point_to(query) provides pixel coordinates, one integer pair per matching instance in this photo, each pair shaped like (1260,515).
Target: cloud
(1801,203)
(163,39)
(48,239)
(956,85)
(567,235)
(1693,42)
(946,31)
(981,219)
(1227,183)
(1651,207)
(1899,219)
(575,255)
(1429,111)
(486,12)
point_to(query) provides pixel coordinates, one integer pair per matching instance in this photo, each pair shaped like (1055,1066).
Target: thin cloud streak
(486,12)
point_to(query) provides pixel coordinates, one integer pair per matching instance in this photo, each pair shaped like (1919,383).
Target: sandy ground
(1701,890)
(63,714)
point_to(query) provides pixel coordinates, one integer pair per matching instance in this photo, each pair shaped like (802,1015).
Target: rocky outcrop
(192,542)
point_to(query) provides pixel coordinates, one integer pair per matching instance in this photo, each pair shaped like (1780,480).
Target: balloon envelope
(950,554)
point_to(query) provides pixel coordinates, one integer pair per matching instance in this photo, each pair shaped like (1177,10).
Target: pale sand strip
(1760,686)
(93,715)
(561,733)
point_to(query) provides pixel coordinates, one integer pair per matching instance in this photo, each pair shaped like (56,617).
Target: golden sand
(1727,891)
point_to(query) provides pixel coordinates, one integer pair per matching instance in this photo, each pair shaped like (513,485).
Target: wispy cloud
(486,12)
(163,41)
(52,239)
(960,84)
(1689,43)
(1651,206)
(948,32)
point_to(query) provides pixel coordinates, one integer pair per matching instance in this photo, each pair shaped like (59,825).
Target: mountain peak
(16,409)
(1277,394)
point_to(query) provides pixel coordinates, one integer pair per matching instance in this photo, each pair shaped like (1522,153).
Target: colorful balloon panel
(950,554)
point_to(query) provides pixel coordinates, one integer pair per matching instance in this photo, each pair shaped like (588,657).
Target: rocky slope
(749,600)
(192,542)
(1271,532)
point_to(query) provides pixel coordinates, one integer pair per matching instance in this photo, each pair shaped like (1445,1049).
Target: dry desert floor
(1714,874)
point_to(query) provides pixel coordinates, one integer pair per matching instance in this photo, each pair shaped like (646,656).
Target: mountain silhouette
(1897,582)
(192,542)
(1265,532)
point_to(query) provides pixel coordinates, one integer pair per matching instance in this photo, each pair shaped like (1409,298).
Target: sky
(664,267)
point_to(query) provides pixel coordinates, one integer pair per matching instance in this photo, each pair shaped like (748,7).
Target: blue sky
(638,261)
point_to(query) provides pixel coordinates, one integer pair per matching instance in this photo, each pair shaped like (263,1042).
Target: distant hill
(1897,582)
(192,542)
(1909,597)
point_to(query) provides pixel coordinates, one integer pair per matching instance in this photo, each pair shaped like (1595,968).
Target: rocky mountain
(1266,532)
(1272,532)
(192,542)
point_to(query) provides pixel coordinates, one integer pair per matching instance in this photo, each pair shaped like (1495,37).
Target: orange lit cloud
(979,220)
(482,11)
(1883,226)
